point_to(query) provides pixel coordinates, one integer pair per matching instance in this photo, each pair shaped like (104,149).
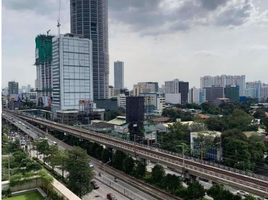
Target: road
(126,189)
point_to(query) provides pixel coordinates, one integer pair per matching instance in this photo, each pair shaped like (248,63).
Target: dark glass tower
(90,19)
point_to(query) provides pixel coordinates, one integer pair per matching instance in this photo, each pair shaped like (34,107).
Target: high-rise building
(118,75)
(232,92)
(43,59)
(71,72)
(134,109)
(90,19)
(214,92)
(264,92)
(143,87)
(176,92)
(13,87)
(223,81)
(197,95)
(253,89)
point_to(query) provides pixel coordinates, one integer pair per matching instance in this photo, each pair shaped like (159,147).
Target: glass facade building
(90,19)
(71,72)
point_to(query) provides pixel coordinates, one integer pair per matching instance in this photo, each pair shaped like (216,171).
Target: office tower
(134,109)
(71,72)
(213,93)
(118,75)
(13,87)
(43,58)
(232,92)
(223,81)
(176,92)
(90,19)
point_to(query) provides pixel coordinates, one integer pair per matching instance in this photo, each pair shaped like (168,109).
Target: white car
(241,193)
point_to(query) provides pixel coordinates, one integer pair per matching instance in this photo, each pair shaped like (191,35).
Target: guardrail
(238,176)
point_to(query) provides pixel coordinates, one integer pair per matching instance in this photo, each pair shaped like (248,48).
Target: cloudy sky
(159,40)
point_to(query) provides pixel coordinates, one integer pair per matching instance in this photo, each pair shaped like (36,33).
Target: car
(95,185)
(111,196)
(55,143)
(241,193)
(91,165)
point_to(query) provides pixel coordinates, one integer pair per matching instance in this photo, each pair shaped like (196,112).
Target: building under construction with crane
(43,59)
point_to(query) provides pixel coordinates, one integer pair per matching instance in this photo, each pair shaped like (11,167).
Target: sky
(158,40)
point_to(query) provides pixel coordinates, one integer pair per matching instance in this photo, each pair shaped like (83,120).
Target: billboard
(81,102)
(43,101)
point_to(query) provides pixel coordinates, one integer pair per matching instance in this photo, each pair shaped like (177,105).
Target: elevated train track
(250,182)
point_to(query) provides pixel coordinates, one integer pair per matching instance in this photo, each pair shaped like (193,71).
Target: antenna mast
(58,21)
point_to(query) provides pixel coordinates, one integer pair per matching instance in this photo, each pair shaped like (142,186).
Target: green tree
(158,174)
(128,165)
(256,150)
(175,136)
(264,122)
(171,183)
(217,123)
(259,114)
(195,191)
(80,174)
(250,197)
(46,178)
(140,170)
(136,130)
(106,155)
(42,146)
(98,152)
(117,160)
(236,154)
(239,119)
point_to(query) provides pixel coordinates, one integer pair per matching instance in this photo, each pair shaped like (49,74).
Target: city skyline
(167,44)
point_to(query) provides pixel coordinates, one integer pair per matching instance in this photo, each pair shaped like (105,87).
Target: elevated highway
(191,167)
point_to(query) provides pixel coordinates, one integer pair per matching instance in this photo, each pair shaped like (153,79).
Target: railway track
(254,183)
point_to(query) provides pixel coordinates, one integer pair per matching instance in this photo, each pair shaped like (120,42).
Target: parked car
(110,196)
(95,185)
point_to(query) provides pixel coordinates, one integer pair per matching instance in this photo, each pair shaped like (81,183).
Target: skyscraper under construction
(90,19)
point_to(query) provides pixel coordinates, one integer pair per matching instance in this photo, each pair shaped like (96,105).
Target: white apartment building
(153,101)
(223,81)
(121,100)
(197,95)
(72,75)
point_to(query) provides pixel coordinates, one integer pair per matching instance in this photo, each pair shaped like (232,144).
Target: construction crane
(58,21)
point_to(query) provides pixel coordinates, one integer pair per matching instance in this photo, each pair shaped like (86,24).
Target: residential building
(118,75)
(153,101)
(72,76)
(264,92)
(43,59)
(134,109)
(232,92)
(223,81)
(176,92)
(197,95)
(13,87)
(253,90)
(121,100)
(144,87)
(90,19)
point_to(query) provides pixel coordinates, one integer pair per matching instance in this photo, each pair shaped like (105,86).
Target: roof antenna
(58,21)
(48,32)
